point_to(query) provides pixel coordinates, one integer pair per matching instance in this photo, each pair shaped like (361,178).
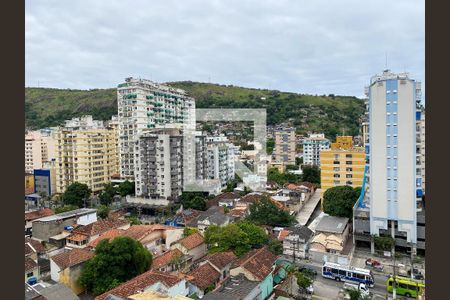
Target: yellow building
(87,153)
(29,183)
(341,165)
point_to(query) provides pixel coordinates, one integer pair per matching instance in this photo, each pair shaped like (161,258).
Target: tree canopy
(195,200)
(265,212)
(103,211)
(238,237)
(311,174)
(126,188)
(114,263)
(65,208)
(108,193)
(76,194)
(281,178)
(339,200)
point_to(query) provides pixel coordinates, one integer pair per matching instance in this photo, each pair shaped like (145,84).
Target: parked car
(362,288)
(374,264)
(416,274)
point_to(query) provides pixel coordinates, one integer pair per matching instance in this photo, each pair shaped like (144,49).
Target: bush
(339,200)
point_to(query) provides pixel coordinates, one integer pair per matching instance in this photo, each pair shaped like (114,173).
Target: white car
(361,287)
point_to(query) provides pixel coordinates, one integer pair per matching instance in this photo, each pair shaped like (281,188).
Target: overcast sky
(314,47)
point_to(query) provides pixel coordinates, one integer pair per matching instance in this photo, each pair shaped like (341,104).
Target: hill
(330,114)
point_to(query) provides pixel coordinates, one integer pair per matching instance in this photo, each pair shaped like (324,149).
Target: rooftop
(68,214)
(142,282)
(235,288)
(57,292)
(192,241)
(332,224)
(33,215)
(258,262)
(221,259)
(30,264)
(138,232)
(99,227)
(204,276)
(33,246)
(165,258)
(71,258)
(110,234)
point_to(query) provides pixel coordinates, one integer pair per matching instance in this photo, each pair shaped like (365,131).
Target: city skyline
(289,46)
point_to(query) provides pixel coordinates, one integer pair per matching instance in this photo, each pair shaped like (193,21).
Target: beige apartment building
(285,142)
(40,147)
(87,153)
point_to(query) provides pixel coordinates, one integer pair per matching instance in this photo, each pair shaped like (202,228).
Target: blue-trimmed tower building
(392,198)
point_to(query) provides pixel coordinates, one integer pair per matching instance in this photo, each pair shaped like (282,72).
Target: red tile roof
(192,241)
(221,259)
(283,234)
(138,232)
(30,264)
(165,259)
(33,215)
(99,227)
(110,234)
(71,258)
(141,282)
(204,276)
(252,198)
(227,196)
(33,246)
(258,262)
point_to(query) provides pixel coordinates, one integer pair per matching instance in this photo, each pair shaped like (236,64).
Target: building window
(30,274)
(348,162)
(349,169)
(336,176)
(336,169)
(348,156)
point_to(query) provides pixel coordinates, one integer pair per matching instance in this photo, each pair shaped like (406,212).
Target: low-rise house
(257,265)
(203,279)
(31,270)
(33,249)
(51,227)
(227,199)
(218,219)
(165,283)
(184,217)
(84,234)
(34,215)
(296,241)
(331,235)
(221,261)
(192,245)
(109,235)
(152,295)
(156,238)
(66,267)
(239,212)
(55,292)
(236,288)
(171,260)
(32,294)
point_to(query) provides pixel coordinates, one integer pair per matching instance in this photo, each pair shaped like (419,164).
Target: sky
(313,47)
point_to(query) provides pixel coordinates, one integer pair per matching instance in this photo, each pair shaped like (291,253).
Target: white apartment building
(220,159)
(394,164)
(40,147)
(421,145)
(312,145)
(86,153)
(143,105)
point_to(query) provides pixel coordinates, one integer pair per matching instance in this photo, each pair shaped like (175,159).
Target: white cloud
(316,47)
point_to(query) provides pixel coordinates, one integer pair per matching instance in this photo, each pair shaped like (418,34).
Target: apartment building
(285,144)
(343,164)
(86,153)
(312,145)
(40,147)
(220,159)
(142,105)
(421,144)
(392,200)
(159,173)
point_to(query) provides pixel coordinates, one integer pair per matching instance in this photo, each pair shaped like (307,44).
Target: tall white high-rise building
(143,105)
(394,183)
(312,146)
(220,159)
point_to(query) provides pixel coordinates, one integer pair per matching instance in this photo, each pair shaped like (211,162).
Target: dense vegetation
(265,212)
(330,114)
(339,200)
(114,262)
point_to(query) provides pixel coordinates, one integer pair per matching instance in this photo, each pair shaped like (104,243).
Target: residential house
(168,284)
(34,215)
(214,215)
(156,238)
(32,294)
(171,260)
(240,211)
(55,292)
(331,235)
(66,267)
(236,288)
(110,234)
(51,227)
(257,265)
(153,295)
(192,245)
(203,279)
(296,241)
(31,270)
(84,234)
(227,199)
(221,261)
(184,217)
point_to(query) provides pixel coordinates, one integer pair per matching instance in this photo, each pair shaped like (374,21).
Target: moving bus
(349,274)
(405,286)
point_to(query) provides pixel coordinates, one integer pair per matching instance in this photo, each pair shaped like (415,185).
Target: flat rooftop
(236,288)
(332,224)
(68,214)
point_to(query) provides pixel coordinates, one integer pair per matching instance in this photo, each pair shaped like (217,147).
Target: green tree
(265,212)
(339,200)
(383,242)
(189,230)
(134,220)
(114,262)
(108,193)
(126,188)
(195,200)
(103,211)
(275,246)
(311,174)
(298,160)
(281,178)
(76,194)
(270,145)
(257,236)
(65,208)
(303,281)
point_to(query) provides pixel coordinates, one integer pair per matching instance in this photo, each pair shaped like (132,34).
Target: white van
(361,287)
